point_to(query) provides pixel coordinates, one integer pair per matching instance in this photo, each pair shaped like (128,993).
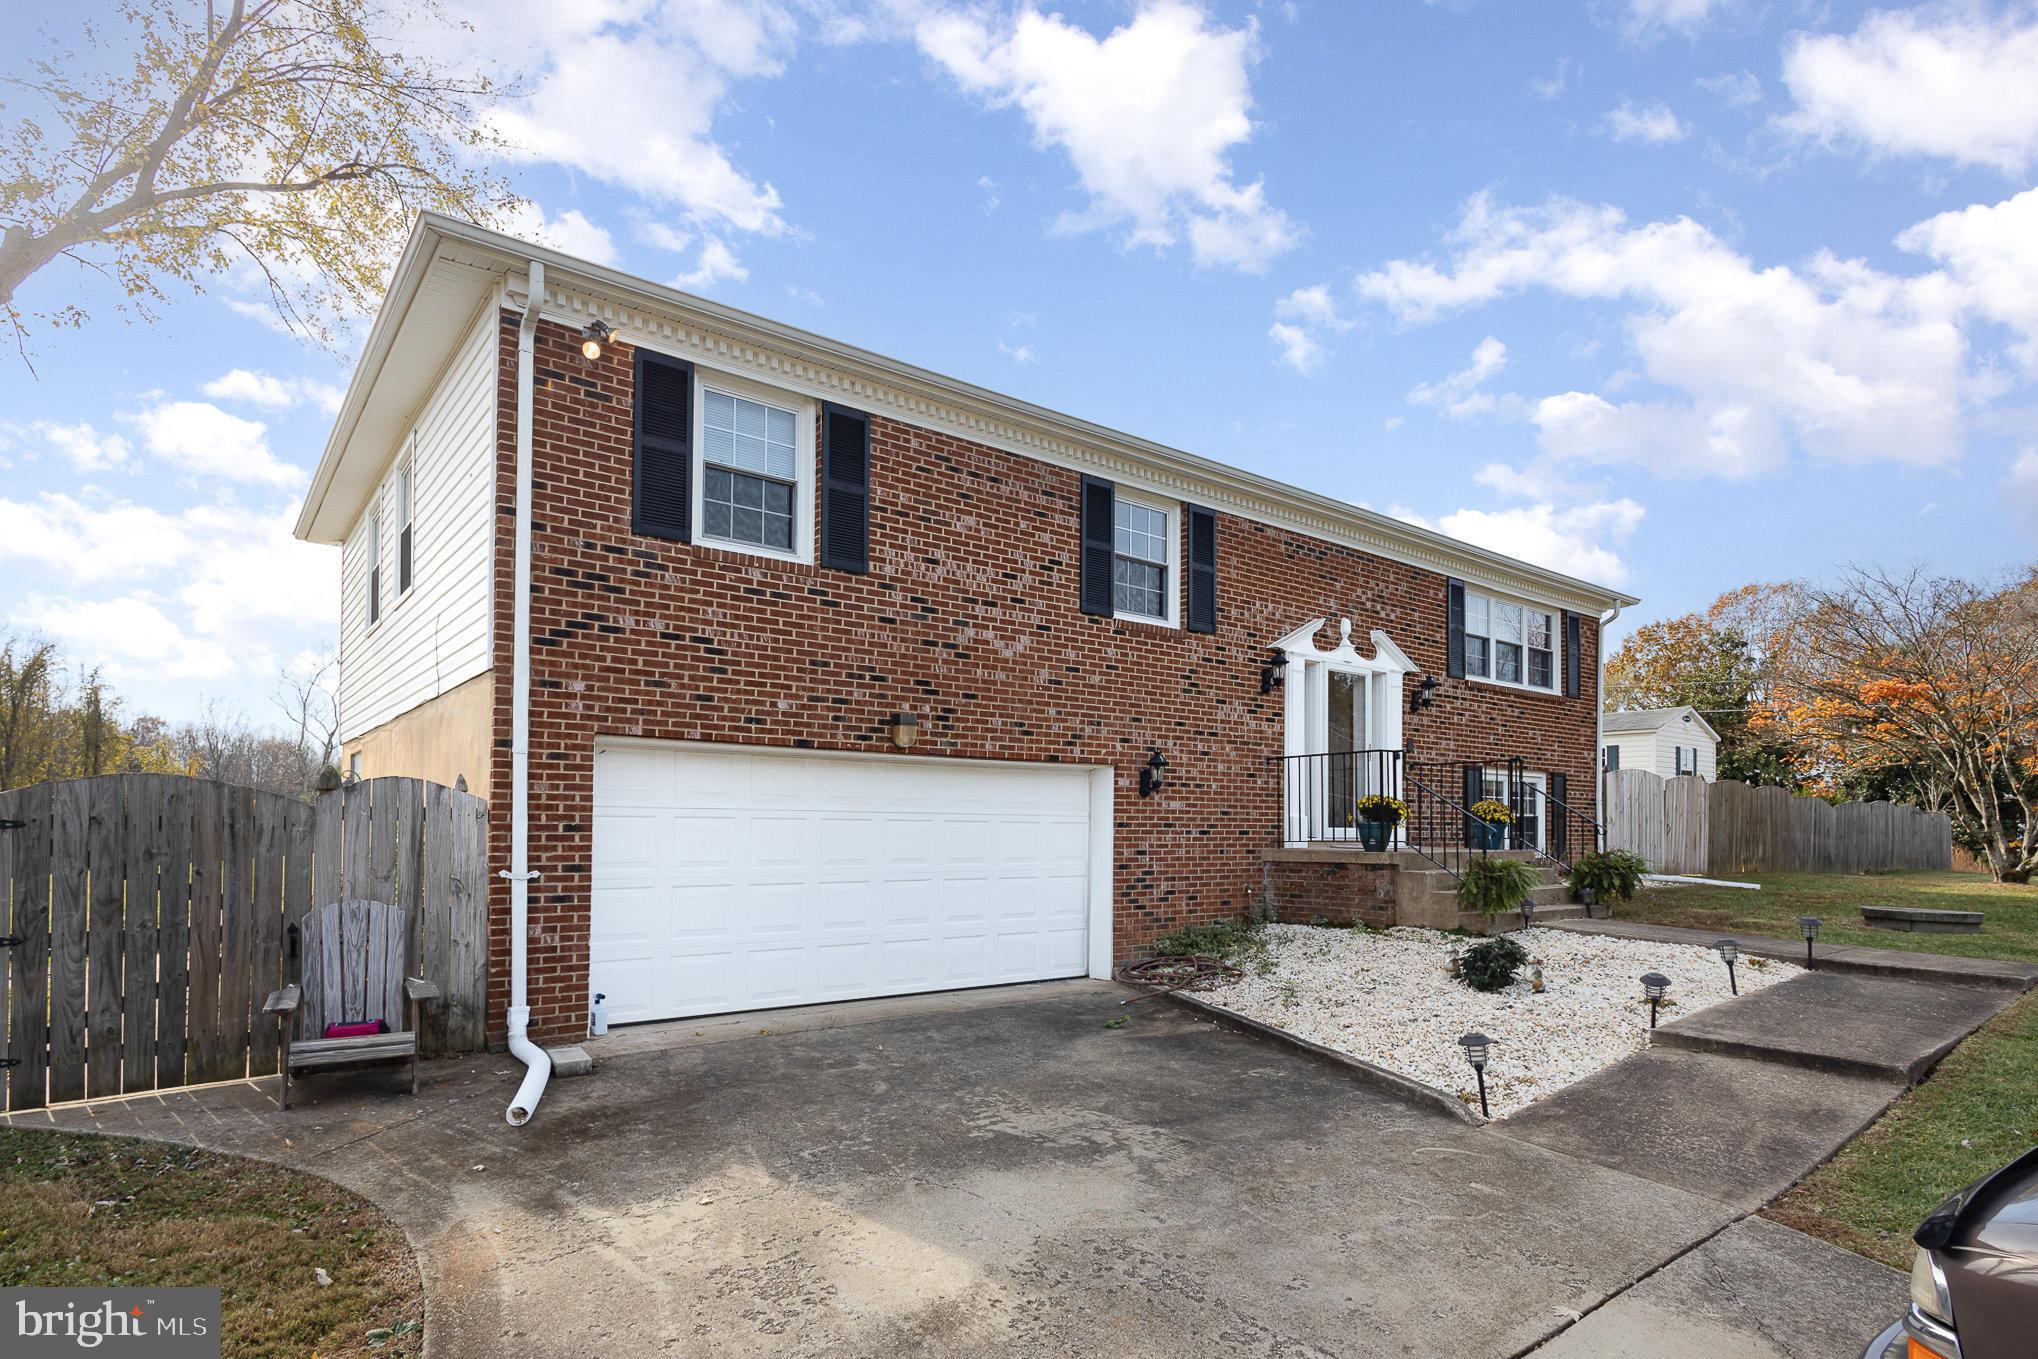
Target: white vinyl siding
(434,636)
(1656,751)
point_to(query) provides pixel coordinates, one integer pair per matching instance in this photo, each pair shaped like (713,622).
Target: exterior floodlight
(1730,949)
(1477,1046)
(592,337)
(1654,985)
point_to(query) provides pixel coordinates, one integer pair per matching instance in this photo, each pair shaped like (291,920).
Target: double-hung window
(404,484)
(750,456)
(1142,584)
(1511,643)
(374,551)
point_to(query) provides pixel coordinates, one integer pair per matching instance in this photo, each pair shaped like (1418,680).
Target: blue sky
(1674,294)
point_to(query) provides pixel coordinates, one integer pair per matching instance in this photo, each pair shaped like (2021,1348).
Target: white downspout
(521,1047)
(1599,717)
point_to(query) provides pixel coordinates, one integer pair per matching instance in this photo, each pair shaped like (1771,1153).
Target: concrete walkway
(997,1173)
(1851,958)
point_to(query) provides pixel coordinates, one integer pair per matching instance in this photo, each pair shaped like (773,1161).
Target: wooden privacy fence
(155,913)
(1686,825)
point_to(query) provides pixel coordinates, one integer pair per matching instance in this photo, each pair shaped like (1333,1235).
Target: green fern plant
(1490,885)
(1609,874)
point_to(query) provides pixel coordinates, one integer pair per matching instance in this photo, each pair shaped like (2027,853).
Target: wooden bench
(351,970)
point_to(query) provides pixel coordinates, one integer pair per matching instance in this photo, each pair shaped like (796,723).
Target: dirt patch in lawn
(1977,1112)
(79,1211)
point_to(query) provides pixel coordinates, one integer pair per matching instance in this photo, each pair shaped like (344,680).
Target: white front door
(731,879)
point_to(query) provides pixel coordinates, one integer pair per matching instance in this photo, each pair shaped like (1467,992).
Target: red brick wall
(1333,894)
(968,618)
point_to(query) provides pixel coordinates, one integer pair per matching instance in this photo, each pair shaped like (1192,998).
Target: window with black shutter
(1202,569)
(1611,759)
(1097,514)
(404,484)
(662,455)
(845,489)
(374,549)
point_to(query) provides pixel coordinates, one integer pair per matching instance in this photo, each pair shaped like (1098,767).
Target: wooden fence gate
(151,914)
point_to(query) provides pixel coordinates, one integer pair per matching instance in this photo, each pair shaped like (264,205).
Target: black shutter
(1571,650)
(662,455)
(1202,569)
(1557,818)
(1099,522)
(1474,790)
(1454,629)
(374,595)
(845,489)
(403,560)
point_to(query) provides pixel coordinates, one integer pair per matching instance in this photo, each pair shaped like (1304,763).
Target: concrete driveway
(998,1173)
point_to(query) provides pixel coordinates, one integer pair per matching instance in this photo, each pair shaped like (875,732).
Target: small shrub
(1490,886)
(1609,874)
(1490,964)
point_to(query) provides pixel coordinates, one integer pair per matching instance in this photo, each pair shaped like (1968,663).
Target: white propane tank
(598,1022)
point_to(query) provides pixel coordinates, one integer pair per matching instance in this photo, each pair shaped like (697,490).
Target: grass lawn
(1977,1112)
(2011,930)
(79,1211)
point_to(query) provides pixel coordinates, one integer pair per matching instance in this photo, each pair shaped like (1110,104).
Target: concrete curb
(1379,1077)
(1907,1073)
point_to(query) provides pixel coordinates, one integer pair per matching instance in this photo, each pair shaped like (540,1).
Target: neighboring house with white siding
(1665,741)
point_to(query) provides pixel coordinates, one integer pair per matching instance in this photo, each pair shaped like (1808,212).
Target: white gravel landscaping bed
(1388,998)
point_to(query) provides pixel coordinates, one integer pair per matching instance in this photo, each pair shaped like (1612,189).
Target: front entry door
(1350,776)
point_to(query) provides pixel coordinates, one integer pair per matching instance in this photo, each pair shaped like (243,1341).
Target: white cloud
(1735,89)
(200,438)
(1990,253)
(1458,396)
(82,446)
(203,594)
(1579,540)
(254,387)
(1019,353)
(806,296)
(2021,485)
(1553,85)
(1148,115)
(1646,17)
(570,232)
(716,263)
(1654,124)
(1303,319)
(1849,362)
(629,95)
(1955,83)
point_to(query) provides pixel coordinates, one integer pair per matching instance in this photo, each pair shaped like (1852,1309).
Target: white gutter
(532,1056)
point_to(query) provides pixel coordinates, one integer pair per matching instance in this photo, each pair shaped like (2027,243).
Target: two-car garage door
(733,879)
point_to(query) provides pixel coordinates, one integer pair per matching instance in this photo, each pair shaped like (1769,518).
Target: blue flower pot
(1374,835)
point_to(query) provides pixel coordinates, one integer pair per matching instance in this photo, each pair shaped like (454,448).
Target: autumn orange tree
(1928,673)
(1718,662)
(295,137)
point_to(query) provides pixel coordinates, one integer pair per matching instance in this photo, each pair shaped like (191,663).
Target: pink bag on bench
(363,1029)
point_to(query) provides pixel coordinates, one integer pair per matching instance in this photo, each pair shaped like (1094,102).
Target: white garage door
(727,879)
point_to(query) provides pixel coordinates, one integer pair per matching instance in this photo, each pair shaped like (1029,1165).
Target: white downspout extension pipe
(534,1058)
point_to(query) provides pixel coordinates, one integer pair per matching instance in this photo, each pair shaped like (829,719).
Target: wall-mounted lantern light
(591,338)
(1150,774)
(1271,672)
(904,729)
(1425,696)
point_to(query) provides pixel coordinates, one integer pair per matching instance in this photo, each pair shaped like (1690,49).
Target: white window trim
(405,486)
(1556,689)
(1171,593)
(371,581)
(806,413)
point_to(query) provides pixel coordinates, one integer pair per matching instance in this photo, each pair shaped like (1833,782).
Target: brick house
(849,679)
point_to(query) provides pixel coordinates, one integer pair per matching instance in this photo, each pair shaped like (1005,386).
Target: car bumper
(1932,1338)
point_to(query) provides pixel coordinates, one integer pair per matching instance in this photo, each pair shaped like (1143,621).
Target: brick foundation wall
(1331,894)
(969,619)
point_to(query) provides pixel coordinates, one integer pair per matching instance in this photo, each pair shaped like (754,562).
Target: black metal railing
(1439,827)
(1320,793)
(1571,833)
